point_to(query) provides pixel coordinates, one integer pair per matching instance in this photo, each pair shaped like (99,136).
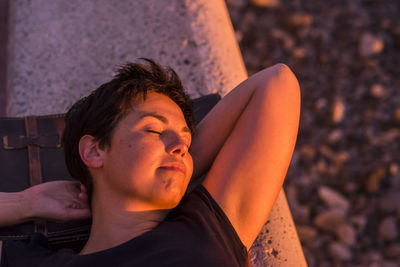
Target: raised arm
(247,142)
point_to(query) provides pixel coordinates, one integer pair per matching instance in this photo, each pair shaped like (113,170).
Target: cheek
(136,156)
(145,155)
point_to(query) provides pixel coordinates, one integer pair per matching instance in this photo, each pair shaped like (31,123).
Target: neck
(113,223)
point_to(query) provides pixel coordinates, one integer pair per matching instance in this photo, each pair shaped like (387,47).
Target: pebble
(326,151)
(396,114)
(299,52)
(335,136)
(322,166)
(386,23)
(373,181)
(338,111)
(388,229)
(339,252)
(333,199)
(306,233)
(360,203)
(328,221)
(341,157)
(321,103)
(374,256)
(377,91)
(390,201)
(393,168)
(350,187)
(308,151)
(288,41)
(346,234)
(359,221)
(300,19)
(370,45)
(266,3)
(392,251)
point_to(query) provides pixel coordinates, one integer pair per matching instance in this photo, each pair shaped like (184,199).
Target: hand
(58,200)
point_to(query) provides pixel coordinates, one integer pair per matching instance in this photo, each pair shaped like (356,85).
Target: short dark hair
(99,113)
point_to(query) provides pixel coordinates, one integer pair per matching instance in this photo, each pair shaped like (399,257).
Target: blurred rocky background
(343,186)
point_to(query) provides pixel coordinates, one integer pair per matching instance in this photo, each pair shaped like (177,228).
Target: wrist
(27,207)
(15,208)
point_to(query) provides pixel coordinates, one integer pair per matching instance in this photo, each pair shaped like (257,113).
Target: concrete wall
(61,50)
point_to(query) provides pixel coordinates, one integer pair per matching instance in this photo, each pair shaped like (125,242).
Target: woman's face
(148,162)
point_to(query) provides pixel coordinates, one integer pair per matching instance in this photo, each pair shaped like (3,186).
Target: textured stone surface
(61,50)
(276,245)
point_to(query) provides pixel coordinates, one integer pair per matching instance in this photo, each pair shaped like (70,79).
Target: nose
(177,147)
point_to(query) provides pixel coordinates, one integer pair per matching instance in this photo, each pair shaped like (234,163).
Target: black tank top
(195,233)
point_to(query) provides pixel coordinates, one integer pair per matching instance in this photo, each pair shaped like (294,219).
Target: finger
(73,205)
(79,204)
(83,188)
(83,197)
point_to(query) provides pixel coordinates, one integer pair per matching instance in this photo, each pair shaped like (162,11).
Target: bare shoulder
(248,172)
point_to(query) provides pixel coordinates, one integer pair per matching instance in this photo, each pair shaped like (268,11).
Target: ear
(90,152)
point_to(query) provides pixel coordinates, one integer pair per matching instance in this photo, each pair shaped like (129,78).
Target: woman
(133,146)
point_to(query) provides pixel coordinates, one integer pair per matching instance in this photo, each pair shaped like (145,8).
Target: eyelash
(155,132)
(152,131)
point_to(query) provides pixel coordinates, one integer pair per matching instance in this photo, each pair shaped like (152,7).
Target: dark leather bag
(31,153)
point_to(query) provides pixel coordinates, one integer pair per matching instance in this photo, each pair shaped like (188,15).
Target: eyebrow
(162,119)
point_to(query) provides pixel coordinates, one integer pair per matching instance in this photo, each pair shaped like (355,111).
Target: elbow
(281,80)
(288,87)
(281,88)
(285,76)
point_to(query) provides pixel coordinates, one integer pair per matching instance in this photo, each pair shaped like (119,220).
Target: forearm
(14,208)
(212,132)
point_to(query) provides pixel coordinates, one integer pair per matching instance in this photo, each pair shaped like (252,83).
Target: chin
(171,199)
(171,193)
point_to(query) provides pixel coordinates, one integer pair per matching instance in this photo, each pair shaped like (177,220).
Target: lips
(174,166)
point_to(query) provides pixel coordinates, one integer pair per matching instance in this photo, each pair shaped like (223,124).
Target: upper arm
(249,169)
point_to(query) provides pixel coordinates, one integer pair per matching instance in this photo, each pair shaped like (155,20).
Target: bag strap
(35,169)
(60,125)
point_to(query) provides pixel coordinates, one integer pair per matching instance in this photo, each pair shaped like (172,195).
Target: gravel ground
(344,183)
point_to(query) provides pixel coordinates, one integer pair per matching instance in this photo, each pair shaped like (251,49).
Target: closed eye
(152,131)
